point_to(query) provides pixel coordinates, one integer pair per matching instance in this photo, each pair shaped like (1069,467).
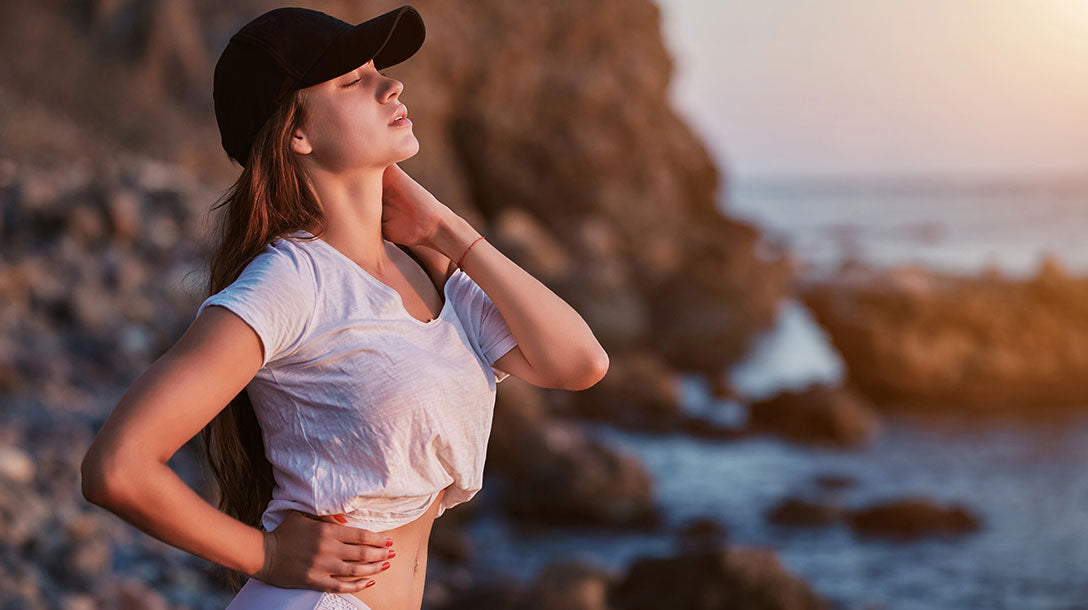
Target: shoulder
(290,253)
(283,262)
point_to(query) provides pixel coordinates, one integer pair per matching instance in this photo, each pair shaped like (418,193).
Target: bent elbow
(99,483)
(592,372)
(92,484)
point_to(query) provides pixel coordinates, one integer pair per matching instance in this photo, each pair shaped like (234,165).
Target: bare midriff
(400,587)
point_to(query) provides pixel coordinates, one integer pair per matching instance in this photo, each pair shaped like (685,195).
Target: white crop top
(366,410)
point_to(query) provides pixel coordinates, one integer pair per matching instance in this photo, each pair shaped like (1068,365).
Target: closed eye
(359,79)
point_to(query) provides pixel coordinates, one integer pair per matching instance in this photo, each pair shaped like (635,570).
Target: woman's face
(348,124)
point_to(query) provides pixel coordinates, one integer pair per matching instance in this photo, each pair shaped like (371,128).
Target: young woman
(342,370)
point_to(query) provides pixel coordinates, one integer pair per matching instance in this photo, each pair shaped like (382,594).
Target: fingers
(335,585)
(355,535)
(365,554)
(316,552)
(350,570)
(330,573)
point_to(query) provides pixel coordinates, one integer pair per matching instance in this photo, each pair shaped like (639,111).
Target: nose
(394,89)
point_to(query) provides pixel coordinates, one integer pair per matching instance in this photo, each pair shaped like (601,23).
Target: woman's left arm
(556,348)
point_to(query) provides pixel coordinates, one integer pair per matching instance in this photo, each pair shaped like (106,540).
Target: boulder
(912,517)
(798,511)
(749,578)
(929,340)
(819,414)
(555,473)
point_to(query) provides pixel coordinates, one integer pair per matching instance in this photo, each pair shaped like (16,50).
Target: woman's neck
(352,205)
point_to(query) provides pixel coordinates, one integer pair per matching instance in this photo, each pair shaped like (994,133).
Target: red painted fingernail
(340,518)
(385,566)
(392,553)
(370,583)
(388,541)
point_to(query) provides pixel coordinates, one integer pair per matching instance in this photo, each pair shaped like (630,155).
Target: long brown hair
(271,197)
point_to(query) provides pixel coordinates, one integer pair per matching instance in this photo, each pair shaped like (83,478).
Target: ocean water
(961,229)
(1023,476)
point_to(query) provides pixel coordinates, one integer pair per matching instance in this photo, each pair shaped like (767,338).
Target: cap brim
(388,39)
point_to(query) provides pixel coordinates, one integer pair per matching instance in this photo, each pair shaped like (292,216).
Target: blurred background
(834,250)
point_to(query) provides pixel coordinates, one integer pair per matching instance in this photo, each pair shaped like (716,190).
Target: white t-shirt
(366,410)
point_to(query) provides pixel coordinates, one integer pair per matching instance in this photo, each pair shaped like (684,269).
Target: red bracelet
(467,249)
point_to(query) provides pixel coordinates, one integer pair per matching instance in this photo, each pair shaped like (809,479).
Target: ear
(300,143)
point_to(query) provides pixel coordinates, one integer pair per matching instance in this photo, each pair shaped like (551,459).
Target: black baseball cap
(293,48)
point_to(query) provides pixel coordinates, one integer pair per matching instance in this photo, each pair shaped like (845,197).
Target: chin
(407,152)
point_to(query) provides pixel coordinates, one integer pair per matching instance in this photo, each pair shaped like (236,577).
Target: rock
(640,391)
(449,538)
(15,465)
(527,240)
(834,481)
(81,527)
(798,511)
(704,427)
(602,292)
(557,475)
(92,308)
(499,593)
(939,340)
(701,535)
(125,215)
(572,584)
(912,517)
(86,224)
(722,388)
(131,594)
(692,273)
(78,601)
(90,560)
(818,414)
(749,578)
(162,232)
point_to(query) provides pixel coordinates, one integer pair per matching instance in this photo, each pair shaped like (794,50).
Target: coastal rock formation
(912,517)
(830,482)
(701,534)
(569,584)
(726,578)
(697,579)
(640,391)
(802,512)
(927,340)
(899,518)
(819,414)
(555,474)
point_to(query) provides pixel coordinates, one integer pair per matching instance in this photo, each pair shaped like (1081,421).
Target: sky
(854,88)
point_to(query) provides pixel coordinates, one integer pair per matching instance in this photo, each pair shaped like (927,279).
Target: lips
(401,113)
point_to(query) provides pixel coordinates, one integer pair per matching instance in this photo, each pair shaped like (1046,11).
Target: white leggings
(259,595)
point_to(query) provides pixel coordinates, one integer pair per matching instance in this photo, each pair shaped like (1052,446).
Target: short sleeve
(487,323)
(275,295)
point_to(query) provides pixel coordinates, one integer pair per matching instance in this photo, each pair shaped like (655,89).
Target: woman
(342,370)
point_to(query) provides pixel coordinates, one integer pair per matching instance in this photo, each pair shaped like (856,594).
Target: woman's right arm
(125,470)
